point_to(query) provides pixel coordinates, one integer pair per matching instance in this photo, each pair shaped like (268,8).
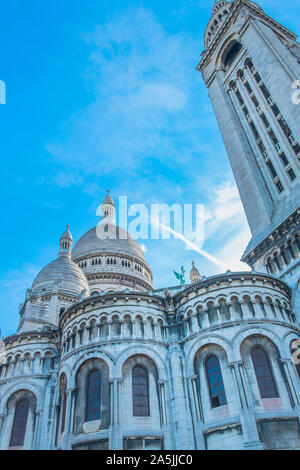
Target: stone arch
(230,38)
(217,339)
(93,353)
(247,331)
(209,402)
(273,352)
(287,340)
(81,376)
(144,351)
(10,405)
(152,410)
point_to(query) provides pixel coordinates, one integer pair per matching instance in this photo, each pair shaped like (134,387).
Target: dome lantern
(66,242)
(108,208)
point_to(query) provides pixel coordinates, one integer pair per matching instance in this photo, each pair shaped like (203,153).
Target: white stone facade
(95,311)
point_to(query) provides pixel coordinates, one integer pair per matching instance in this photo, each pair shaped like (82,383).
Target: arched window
(94,293)
(230,53)
(93,396)
(140,392)
(215,382)
(264,374)
(19,424)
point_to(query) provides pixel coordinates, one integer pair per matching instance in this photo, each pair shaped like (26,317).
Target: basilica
(103,360)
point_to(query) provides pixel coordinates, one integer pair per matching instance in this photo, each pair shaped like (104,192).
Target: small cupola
(108,209)
(195,276)
(66,242)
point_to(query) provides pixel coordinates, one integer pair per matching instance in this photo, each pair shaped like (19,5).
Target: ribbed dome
(62,275)
(122,244)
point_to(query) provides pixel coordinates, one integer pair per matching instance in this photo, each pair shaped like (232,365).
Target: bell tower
(250,66)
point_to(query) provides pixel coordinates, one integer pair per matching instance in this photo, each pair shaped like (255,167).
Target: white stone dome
(61,275)
(110,257)
(123,244)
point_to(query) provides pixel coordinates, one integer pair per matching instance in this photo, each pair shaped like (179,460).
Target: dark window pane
(232,53)
(215,382)
(264,374)
(93,396)
(19,425)
(140,392)
(64,409)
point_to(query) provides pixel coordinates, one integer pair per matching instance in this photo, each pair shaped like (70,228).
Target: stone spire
(66,242)
(195,276)
(108,208)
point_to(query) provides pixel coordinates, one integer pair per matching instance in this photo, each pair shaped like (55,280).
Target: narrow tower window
(93,396)
(20,422)
(215,382)
(231,53)
(140,392)
(264,374)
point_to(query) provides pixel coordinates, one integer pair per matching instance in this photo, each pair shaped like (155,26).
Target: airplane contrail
(221,264)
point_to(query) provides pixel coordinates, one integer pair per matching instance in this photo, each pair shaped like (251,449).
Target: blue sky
(104,94)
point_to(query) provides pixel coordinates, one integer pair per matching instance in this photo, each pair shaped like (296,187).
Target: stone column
(183,431)
(217,310)
(109,323)
(268,309)
(286,254)
(127,332)
(66,443)
(121,328)
(164,419)
(292,384)
(35,441)
(257,309)
(206,322)
(292,248)
(115,434)
(133,325)
(241,309)
(197,412)
(49,415)
(2,421)
(195,324)
(247,418)
(147,329)
(162,398)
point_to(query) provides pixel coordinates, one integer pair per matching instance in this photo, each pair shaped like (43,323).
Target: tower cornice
(236,7)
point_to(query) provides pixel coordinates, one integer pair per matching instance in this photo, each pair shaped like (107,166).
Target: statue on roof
(180,276)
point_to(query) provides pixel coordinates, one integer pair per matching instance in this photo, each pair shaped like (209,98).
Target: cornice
(272,239)
(229,277)
(236,8)
(110,300)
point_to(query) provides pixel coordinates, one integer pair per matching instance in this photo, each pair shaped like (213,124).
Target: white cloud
(142,78)
(224,208)
(64,179)
(226,225)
